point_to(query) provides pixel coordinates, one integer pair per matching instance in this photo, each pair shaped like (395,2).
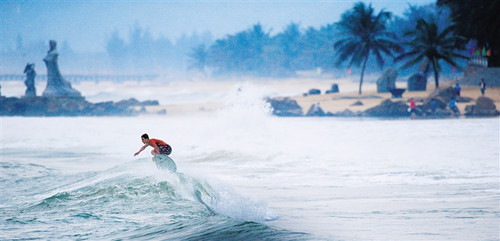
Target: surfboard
(165,162)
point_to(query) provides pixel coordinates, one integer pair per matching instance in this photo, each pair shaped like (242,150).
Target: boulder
(333,89)
(387,80)
(285,107)
(315,110)
(484,107)
(388,109)
(417,82)
(442,96)
(314,92)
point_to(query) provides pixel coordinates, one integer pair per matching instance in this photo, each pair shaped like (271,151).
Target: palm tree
(364,33)
(428,46)
(478,20)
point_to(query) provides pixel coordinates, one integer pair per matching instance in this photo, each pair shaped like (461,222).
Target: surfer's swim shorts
(165,150)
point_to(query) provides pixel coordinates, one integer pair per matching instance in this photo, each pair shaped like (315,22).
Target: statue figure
(29,70)
(56,85)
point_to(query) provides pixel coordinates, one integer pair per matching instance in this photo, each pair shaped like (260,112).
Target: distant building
(481,61)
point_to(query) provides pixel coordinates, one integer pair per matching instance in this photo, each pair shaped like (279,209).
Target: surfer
(160,147)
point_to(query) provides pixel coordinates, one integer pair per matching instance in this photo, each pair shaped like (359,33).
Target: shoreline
(209,96)
(344,101)
(336,102)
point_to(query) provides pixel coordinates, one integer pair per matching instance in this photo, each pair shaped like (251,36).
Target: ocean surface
(245,175)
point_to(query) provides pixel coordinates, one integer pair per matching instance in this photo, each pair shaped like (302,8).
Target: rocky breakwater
(68,106)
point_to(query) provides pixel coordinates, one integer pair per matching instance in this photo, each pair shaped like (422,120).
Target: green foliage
(364,33)
(479,20)
(428,45)
(256,52)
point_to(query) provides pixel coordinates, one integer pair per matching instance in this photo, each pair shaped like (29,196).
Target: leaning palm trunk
(436,78)
(363,73)
(436,73)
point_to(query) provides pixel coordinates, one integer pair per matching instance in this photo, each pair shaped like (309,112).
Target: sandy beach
(333,102)
(370,98)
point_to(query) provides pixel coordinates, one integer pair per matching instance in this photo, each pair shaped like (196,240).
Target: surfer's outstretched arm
(142,149)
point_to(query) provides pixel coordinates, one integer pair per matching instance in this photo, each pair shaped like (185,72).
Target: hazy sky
(87,25)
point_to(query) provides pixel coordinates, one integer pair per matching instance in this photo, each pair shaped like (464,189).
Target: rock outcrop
(67,106)
(57,86)
(314,92)
(315,110)
(442,96)
(285,107)
(484,107)
(388,109)
(333,89)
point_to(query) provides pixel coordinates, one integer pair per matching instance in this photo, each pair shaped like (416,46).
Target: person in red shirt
(160,147)
(412,105)
(412,108)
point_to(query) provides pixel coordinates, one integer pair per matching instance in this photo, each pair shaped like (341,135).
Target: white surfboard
(165,162)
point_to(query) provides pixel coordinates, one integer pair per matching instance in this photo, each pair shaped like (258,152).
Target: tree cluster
(143,52)
(256,52)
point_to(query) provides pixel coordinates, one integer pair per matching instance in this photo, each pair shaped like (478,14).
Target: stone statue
(29,70)
(387,81)
(56,85)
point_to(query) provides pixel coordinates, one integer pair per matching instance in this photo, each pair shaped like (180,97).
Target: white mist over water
(350,179)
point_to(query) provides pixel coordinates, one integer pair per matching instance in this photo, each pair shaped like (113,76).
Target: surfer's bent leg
(165,150)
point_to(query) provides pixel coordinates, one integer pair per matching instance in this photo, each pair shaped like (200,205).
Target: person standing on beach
(412,108)
(482,85)
(457,89)
(453,106)
(160,147)
(433,106)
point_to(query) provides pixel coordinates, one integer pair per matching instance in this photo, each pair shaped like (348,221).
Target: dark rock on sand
(285,107)
(484,107)
(333,89)
(315,110)
(388,109)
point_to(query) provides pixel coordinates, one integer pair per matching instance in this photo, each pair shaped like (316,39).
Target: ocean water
(245,175)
